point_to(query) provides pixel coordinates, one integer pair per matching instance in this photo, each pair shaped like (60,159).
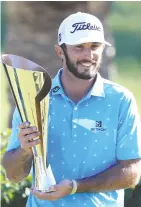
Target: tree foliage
(11,191)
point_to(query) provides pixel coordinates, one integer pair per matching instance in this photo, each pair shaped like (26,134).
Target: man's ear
(59,51)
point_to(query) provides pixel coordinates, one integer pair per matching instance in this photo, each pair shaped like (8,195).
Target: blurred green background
(124,22)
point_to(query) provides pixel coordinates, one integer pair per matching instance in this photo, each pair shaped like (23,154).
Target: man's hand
(28,136)
(56,191)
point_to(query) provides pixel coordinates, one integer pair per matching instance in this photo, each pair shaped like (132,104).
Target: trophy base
(44,178)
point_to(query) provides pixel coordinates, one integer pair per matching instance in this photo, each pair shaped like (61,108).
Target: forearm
(17,164)
(116,177)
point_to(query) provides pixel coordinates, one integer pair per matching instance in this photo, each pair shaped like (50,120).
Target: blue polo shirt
(87,138)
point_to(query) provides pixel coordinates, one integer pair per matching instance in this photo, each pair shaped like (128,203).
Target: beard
(88,73)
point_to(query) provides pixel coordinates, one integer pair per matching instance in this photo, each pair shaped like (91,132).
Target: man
(94,146)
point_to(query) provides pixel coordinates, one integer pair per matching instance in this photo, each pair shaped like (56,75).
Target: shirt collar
(96,90)
(56,84)
(98,87)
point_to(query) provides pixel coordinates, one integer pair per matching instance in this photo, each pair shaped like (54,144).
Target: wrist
(74,187)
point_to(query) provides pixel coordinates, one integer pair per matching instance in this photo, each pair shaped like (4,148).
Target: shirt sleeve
(129,130)
(13,141)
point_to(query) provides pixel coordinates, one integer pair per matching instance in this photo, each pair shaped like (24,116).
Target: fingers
(27,131)
(32,136)
(26,145)
(39,194)
(28,136)
(24,125)
(53,188)
(30,139)
(52,196)
(54,192)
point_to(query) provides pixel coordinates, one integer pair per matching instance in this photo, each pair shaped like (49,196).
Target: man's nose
(89,54)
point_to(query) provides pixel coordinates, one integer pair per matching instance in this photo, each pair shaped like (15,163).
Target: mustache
(86,61)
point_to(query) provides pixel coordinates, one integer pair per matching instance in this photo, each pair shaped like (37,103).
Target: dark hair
(64,47)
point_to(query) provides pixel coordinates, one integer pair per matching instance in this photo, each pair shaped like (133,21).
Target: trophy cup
(30,85)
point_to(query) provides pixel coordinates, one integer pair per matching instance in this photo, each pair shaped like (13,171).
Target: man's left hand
(55,192)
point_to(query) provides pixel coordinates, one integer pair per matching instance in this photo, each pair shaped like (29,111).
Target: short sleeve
(13,141)
(129,130)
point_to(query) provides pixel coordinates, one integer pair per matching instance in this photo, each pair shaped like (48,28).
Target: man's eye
(79,46)
(95,47)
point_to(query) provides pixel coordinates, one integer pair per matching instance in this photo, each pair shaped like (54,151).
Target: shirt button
(75,108)
(74,126)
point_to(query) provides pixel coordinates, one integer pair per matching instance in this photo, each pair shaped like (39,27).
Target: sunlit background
(29,29)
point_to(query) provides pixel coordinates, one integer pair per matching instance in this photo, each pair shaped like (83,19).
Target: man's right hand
(28,136)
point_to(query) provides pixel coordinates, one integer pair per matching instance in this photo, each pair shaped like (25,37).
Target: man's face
(83,60)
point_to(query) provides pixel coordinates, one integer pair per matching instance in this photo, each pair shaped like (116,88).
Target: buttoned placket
(74,125)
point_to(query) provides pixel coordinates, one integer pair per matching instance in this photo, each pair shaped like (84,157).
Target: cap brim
(107,43)
(85,40)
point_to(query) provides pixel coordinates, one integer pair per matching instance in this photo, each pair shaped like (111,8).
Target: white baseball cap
(81,28)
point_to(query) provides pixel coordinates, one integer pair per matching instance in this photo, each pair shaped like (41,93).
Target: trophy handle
(40,96)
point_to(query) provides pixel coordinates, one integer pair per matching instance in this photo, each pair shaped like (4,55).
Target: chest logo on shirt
(55,89)
(98,126)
